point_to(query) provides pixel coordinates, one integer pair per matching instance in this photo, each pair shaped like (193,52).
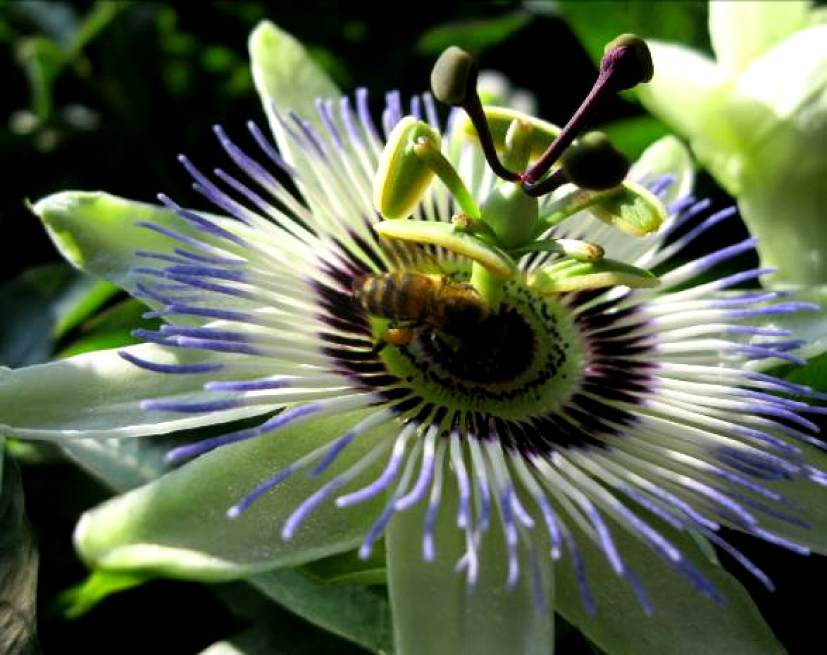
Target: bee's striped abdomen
(400,295)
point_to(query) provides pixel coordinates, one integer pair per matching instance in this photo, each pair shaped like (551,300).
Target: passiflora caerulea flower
(498,366)
(756,117)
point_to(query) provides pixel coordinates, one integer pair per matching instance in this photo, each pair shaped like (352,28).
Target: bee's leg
(398,336)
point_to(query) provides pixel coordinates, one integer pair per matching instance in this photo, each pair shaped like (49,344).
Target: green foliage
(41,305)
(597,22)
(80,599)
(472,34)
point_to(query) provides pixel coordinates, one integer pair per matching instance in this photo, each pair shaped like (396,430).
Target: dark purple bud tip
(454,77)
(594,162)
(628,62)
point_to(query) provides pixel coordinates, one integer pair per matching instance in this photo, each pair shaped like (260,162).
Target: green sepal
(287,78)
(493,259)
(499,121)
(403,177)
(573,275)
(683,620)
(742,32)
(98,233)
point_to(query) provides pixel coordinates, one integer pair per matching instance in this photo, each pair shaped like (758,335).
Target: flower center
(523,361)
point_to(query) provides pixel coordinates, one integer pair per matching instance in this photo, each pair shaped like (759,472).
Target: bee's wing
(413,257)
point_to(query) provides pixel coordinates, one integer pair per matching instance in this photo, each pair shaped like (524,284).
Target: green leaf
(178,525)
(349,567)
(78,600)
(434,610)
(111,328)
(350,611)
(597,22)
(684,622)
(474,35)
(42,59)
(274,630)
(18,567)
(633,135)
(40,306)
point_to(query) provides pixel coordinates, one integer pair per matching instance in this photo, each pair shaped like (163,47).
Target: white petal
(743,31)
(684,85)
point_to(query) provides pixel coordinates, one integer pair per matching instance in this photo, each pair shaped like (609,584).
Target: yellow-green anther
(584,251)
(628,59)
(631,208)
(511,214)
(454,76)
(403,177)
(493,259)
(499,121)
(431,155)
(464,223)
(572,275)
(593,162)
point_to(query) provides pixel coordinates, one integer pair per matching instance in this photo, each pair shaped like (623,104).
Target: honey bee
(421,300)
